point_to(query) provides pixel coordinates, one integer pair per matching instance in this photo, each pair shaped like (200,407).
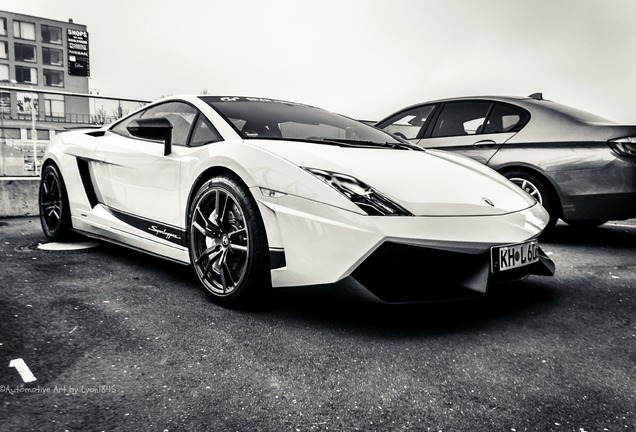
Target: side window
(461,118)
(120,128)
(203,133)
(180,115)
(506,118)
(408,124)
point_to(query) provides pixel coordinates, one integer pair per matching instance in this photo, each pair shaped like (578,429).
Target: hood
(427,183)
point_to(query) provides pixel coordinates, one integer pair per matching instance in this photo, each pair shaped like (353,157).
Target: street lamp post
(34,134)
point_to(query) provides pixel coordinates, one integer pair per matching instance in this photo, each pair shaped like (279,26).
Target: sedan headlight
(361,194)
(624,146)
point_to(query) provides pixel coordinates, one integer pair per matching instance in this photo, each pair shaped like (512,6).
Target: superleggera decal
(163,233)
(169,233)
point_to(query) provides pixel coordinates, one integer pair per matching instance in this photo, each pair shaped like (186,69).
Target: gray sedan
(580,167)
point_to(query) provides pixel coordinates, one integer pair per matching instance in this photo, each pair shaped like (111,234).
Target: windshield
(274,119)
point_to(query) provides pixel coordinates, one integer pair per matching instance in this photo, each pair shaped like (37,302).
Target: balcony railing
(79,119)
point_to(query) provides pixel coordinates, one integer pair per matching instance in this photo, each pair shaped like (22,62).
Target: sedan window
(461,118)
(506,118)
(408,124)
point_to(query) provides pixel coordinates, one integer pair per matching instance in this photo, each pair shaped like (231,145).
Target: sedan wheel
(537,188)
(55,215)
(228,246)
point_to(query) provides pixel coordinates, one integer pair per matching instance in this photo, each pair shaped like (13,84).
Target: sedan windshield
(274,119)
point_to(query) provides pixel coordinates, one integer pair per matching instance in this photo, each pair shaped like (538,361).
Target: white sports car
(258,193)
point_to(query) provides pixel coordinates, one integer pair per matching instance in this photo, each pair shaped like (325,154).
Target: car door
(138,183)
(474,128)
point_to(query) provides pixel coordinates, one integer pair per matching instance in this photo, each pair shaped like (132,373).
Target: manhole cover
(69,247)
(65,247)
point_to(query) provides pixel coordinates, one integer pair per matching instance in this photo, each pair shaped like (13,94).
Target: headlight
(624,146)
(361,194)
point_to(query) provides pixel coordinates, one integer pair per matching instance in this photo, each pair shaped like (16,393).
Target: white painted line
(621,225)
(23,370)
(32,178)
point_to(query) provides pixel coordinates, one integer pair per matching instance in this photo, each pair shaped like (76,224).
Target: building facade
(44,75)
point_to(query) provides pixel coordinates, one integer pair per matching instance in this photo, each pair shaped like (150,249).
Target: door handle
(485,144)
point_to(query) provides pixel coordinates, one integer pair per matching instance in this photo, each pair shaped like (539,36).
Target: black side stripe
(166,232)
(178,236)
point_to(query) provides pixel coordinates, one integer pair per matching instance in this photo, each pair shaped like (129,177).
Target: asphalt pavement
(106,338)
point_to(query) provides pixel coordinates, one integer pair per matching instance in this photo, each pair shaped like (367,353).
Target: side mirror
(157,128)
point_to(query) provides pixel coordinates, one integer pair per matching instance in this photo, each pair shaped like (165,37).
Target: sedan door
(138,183)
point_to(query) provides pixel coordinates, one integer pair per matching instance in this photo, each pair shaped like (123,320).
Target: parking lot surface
(110,339)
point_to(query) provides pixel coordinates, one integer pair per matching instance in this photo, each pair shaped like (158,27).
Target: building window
(26,75)
(27,103)
(52,56)
(4,50)
(25,53)
(54,106)
(40,134)
(51,34)
(53,78)
(3,26)
(5,102)
(4,72)
(24,30)
(10,133)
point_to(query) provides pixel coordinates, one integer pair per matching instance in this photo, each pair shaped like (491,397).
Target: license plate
(514,256)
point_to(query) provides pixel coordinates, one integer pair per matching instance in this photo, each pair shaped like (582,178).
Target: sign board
(77,47)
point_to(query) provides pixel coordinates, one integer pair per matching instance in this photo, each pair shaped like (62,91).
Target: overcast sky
(361,58)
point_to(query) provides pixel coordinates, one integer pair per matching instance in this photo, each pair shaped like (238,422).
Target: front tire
(55,211)
(539,189)
(227,242)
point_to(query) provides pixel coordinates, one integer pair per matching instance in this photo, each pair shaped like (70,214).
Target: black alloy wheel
(55,214)
(228,244)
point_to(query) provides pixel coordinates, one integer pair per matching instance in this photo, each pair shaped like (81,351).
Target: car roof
(534,104)
(488,97)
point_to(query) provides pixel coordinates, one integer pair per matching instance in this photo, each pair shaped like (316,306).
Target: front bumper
(323,245)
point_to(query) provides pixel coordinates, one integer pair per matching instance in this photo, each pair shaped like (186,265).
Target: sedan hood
(427,183)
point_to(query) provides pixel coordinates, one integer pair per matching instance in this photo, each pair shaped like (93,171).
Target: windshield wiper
(331,141)
(406,146)
(364,144)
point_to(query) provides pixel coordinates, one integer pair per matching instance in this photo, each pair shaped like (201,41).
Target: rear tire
(55,211)
(538,188)
(227,242)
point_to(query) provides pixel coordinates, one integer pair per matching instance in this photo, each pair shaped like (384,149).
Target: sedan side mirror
(156,128)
